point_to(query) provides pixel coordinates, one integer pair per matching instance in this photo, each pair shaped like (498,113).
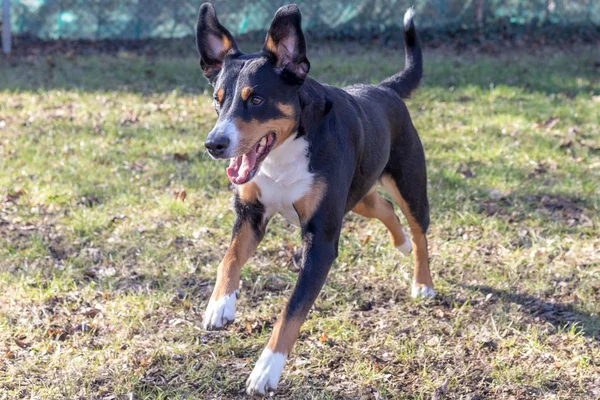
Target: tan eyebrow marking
(246,92)
(220,94)
(286,109)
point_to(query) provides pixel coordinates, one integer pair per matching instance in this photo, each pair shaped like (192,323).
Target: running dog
(310,152)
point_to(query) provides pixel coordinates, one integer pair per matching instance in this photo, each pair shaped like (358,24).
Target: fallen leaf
(21,344)
(366,240)
(179,195)
(145,362)
(324,337)
(92,312)
(180,157)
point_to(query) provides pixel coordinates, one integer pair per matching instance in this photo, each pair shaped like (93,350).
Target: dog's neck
(314,105)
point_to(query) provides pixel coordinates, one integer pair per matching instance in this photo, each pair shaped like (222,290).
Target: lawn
(113,220)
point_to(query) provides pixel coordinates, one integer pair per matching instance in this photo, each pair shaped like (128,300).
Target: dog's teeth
(263,141)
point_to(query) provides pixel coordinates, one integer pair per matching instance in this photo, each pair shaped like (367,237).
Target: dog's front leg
(320,250)
(248,231)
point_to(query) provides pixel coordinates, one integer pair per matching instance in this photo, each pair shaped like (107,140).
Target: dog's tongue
(240,167)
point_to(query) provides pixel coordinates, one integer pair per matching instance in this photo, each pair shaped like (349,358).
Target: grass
(105,271)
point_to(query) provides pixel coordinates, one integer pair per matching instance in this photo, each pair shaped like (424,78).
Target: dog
(310,152)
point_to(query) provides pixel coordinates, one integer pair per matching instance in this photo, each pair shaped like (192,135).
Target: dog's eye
(255,100)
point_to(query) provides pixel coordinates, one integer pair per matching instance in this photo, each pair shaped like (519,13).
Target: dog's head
(255,95)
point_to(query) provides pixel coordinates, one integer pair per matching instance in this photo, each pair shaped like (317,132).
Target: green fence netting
(138,19)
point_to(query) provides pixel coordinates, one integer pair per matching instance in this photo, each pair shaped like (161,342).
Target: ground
(113,220)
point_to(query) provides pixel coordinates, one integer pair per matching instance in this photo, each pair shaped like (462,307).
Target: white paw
(423,291)
(265,375)
(220,312)
(406,247)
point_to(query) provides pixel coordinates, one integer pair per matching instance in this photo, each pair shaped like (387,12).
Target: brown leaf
(249,328)
(21,344)
(12,196)
(9,354)
(145,362)
(366,240)
(551,122)
(179,194)
(57,333)
(324,337)
(92,312)
(180,157)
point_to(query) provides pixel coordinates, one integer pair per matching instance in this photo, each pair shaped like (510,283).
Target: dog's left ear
(214,42)
(285,44)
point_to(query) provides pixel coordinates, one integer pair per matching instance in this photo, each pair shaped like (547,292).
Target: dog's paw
(421,291)
(265,375)
(406,247)
(220,312)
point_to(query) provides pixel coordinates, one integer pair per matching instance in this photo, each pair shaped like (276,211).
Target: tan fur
(220,95)
(375,206)
(285,333)
(242,247)
(270,45)
(227,45)
(421,275)
(307,204)
(245,93)
(286,109)
(253,131)
(249,192)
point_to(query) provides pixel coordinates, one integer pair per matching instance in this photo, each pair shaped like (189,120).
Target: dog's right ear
(214,42)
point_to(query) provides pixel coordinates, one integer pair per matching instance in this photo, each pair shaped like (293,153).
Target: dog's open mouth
(243,168)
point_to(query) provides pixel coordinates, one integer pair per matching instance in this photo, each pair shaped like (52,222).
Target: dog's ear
(285,44)
(213,40)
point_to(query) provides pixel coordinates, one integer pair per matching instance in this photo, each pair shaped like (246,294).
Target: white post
(6,45)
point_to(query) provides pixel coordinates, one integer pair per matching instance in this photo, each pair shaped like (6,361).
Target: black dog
(312,153)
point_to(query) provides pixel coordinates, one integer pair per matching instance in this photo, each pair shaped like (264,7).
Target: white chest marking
(284,178)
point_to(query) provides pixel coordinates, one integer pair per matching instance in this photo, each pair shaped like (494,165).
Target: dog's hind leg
(375,206)
(407,185)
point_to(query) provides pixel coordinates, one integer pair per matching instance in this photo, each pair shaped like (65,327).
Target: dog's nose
(216,146)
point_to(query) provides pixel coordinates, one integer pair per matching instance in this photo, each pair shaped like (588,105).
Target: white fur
(408,16)
(421,291)
(228,128)
(406,247)
(265,375)
(220,312)
(284,178)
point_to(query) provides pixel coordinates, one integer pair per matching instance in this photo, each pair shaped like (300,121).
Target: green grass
(104,274)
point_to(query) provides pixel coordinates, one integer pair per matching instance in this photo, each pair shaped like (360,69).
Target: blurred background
(141,19)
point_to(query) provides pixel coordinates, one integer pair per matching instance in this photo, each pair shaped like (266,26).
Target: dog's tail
(405,82)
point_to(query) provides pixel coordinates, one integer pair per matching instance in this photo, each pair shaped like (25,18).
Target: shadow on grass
(557,314)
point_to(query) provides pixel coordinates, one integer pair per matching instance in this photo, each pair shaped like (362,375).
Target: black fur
(405,82)
(355,136)
(249,212)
